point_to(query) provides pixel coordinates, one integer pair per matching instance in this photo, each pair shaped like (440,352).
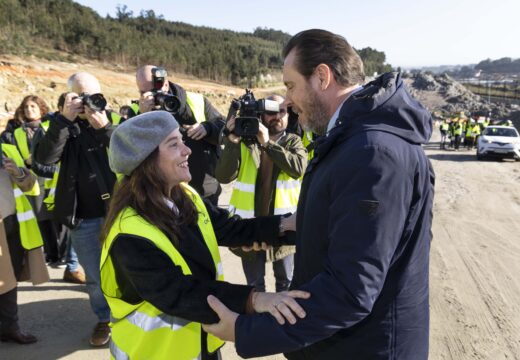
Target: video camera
(96,102)
(168,102)
(249,109)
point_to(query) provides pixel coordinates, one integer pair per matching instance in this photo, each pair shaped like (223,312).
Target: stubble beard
(318,118)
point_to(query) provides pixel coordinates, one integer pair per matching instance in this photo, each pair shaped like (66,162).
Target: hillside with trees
(32,27)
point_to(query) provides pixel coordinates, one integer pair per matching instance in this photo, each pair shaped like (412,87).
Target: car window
(501,132)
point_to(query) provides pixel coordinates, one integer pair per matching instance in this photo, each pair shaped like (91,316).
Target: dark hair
(61,100)
(144,191)
(39,101)
(316,46)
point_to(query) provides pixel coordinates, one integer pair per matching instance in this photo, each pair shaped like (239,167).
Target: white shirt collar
(332,121)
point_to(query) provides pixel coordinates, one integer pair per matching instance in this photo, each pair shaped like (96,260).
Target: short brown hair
(316,46)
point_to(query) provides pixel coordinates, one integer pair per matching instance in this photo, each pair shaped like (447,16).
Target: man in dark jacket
(78,139)
(201,123)
(364,216)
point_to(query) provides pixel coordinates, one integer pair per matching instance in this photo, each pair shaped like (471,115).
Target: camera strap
(102,186)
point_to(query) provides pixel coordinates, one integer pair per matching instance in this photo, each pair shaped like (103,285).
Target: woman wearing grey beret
(160,258)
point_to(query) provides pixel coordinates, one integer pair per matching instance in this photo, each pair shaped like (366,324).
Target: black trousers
(8,301)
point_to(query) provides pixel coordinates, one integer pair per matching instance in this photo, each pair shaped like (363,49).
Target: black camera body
(165,101)
(249,110)
(96,102)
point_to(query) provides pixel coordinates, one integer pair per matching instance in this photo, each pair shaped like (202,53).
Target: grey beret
(136,138)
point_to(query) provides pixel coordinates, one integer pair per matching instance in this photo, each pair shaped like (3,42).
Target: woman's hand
(281,305)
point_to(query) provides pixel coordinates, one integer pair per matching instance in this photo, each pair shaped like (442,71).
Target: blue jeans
(255,271)
(85,240)
(71,258)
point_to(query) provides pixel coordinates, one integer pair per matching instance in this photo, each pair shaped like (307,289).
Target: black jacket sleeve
(234,231)
(214,122)
(144,272)
(49,149)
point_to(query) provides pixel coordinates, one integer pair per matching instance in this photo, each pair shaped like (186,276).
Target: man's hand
(196,131)
(96,119)
(281,305)
(72,107)
(146,102)
(225,328)
(231,126)
(263,134)
(257,247)
(10,166)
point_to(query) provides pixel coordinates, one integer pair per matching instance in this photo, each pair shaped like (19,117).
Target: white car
(499,142)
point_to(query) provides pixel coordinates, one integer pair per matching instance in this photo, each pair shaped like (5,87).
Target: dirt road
(475,274)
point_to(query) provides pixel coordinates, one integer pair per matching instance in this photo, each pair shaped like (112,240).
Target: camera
(249,109)
(96,102)
(168,102)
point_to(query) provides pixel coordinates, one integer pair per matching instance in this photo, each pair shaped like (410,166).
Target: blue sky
(411,33)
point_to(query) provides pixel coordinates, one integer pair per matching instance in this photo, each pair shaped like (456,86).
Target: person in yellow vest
(472,133)
(200,122)
(33,116)
(160,259)
(72,272)
(21,255)
(267,173)
(444,129)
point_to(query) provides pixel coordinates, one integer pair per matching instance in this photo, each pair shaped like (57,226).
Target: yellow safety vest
(242,201)
(141,331)
(195,102)
(308,140)
(115,117)
(21,140)
(30,235)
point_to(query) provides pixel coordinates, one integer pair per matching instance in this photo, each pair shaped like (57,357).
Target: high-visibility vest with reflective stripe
(30,235)
(242,201)
(141,331)
(21,140)
(445,126)
(50,188)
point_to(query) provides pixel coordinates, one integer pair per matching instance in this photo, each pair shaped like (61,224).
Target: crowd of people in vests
(462,131)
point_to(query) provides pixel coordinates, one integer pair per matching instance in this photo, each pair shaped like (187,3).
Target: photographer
(78,138)
(267,170)
(200,121)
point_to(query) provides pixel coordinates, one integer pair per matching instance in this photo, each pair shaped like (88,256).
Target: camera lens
(96,102)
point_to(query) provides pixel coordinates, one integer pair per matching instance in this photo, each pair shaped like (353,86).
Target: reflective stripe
(220,269)
(250,188)
(244,214)
(148,323)
(28,215)
(117,353)
(287,184)
(281,211)
(52,191)
(17,192)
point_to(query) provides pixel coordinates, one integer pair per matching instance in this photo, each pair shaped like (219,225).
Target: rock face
(441,93)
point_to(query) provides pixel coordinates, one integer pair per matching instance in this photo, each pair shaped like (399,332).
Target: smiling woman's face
(173,159)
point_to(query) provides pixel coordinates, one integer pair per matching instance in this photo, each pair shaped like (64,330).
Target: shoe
(75,277)
(101,334)
(18,337)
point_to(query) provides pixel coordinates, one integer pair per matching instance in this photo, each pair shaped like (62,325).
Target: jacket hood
(386,105)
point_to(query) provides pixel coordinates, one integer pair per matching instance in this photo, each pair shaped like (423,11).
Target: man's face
(276,123)
(304,97)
